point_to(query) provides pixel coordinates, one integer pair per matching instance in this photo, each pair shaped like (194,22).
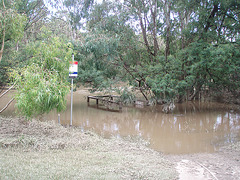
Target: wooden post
(71,103)
(59,119)
(120,106)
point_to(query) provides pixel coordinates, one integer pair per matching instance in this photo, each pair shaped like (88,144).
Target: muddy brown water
(193,127)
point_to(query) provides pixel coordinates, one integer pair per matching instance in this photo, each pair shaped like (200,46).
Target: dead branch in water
(7,105)
(7,90)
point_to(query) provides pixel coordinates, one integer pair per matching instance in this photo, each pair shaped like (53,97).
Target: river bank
(45,150)
(221,165)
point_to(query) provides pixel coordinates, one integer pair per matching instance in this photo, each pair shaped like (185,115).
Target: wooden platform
(108,101)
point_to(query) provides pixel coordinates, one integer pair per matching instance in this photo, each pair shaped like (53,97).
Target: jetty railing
(106,100)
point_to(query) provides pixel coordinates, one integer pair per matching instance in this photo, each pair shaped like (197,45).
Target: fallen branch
(7,105)
(208,170)
(7,91)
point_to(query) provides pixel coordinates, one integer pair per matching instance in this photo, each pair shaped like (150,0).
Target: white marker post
(73,70)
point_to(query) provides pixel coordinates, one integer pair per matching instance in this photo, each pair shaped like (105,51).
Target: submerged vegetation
(167,50)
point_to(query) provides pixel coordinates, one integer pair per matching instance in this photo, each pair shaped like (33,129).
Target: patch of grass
(40,150)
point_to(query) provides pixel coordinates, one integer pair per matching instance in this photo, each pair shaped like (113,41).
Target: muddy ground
(45,150)
(222,165)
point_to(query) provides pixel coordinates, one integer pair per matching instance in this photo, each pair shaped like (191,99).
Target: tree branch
(7,90)
(214,11)
(3,109)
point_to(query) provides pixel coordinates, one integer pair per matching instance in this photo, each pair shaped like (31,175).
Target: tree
(35,11)
(206,33)
(190,30)
(78,11)
(11,24)
(42,85)
(168,50)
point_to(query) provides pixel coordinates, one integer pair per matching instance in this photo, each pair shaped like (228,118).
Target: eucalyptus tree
(166,49)
(78,10)
(11,23)
(35,10)
(215,20)
(11,30)
(156,71)
(21,21)
(60,26)
(146,14)
(115,41)
(100,46)
(211,48)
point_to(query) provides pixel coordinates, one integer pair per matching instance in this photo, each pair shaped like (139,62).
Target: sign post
(73,70)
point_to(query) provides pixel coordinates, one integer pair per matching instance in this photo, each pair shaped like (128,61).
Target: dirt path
(222,165)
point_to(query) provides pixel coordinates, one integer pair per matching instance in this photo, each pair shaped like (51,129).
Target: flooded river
(193,127)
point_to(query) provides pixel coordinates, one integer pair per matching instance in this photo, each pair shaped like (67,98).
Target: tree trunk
(154,16)
(182,28)
(144,33)
(167,15)
(196,91)
(1,52)
(4,31)
(212,15)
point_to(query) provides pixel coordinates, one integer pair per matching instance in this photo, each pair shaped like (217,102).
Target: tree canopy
(11,23)
(167,50)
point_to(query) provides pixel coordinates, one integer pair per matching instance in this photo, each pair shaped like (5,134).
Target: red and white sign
(73,69)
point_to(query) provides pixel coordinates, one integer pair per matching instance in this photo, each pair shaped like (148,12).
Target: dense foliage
(166,50)
(42,84)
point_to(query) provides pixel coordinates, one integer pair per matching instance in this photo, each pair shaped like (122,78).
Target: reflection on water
(191,128)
